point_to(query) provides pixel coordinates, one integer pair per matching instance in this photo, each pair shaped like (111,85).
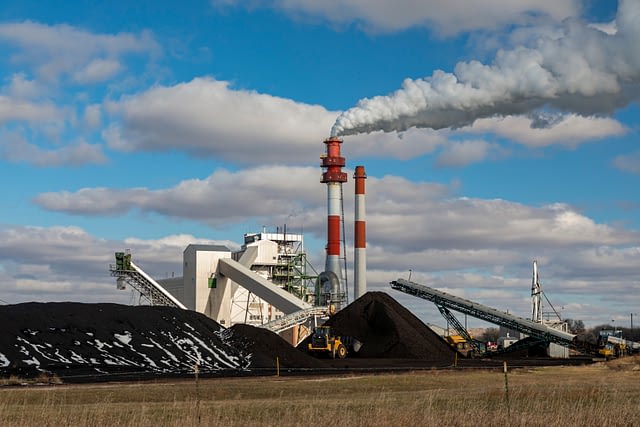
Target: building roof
(208,248)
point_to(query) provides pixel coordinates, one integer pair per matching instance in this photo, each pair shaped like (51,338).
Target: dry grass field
(594,395)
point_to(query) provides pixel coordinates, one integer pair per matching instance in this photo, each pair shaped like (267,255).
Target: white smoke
(585,71)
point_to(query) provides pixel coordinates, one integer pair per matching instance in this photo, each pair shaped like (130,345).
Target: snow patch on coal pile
(265,346)
(388,330)
(71,338)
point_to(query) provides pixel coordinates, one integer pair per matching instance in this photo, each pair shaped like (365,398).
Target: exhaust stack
(332,163)
(360,236)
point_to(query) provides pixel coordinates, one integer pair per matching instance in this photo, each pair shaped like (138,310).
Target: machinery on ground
(612,345)
(325,342)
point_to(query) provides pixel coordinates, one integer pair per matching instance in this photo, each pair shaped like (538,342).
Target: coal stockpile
(265,347)
(75,340)
(388,330)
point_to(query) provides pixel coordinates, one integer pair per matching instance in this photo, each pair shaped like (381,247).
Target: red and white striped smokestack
(333,176)
(360,236)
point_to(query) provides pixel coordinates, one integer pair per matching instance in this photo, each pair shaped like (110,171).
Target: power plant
(269,282)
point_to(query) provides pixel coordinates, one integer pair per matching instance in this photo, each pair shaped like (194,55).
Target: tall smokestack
(333,176)
(360,236)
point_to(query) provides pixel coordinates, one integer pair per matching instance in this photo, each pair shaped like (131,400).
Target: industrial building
(269,281)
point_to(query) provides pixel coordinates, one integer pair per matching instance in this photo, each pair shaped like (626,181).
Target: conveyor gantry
(479,311)
(126,271)
(297,318)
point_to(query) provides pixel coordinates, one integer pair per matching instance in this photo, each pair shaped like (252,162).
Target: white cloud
(446,18)
(67,264)
(14,148)
(402,215)
(97,70)
(628,163)
(568,130)
(403,146)
(458,154)
(18,109)
(205,117)
(38,106)
(93,116)
(20,87)
(271,192)
(57,50)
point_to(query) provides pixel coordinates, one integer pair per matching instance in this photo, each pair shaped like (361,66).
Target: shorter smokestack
(360,236)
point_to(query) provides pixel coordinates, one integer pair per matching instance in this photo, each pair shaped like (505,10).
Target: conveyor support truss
(479,311)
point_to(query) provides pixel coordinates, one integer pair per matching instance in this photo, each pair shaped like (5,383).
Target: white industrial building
(268,278)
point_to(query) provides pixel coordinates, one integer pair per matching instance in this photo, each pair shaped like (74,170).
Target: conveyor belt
(479,311)
(127,271)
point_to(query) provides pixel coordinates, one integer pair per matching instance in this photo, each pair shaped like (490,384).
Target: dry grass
(556,396)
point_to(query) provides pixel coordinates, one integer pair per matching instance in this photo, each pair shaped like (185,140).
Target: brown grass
(606,394)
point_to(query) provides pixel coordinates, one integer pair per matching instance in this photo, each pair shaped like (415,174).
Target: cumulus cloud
(14,148)
(19,86)
(203,116)
(585,71)
(37,119)
(446,18)
(568,130)
(59,50)
(19,109)
(225,197)
(97,70)
(403,215)
(66,263)
(206,117)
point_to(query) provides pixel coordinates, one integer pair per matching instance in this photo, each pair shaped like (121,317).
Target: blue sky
(491,137)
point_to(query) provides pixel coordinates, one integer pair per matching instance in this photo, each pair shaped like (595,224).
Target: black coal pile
(75,339)
(388,330)
(81,342)
(266,349)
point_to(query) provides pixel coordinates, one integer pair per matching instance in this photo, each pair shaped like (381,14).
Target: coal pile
(388,330)
(75,339)
(264,347)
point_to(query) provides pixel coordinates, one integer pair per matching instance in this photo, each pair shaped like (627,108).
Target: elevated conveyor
(293,319)
(479,311)
(256,284)
(126,271)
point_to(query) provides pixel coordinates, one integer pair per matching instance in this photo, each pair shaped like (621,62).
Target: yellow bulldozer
(324,342)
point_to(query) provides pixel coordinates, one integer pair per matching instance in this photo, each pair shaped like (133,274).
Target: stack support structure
(360,235)
(333,176)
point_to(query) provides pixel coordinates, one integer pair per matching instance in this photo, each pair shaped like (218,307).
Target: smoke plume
(585,70)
